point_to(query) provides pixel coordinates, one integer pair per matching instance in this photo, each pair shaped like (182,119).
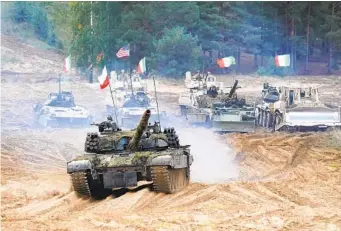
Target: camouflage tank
(230,114)
(118,159)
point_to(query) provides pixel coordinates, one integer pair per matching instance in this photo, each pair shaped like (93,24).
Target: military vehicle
(119,159)
(195,103)
(134,106)
(60,110)
(230,114)
(296,108)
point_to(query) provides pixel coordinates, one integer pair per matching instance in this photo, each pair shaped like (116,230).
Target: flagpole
(113,102)
(60,87)
(157,104)
(130,70)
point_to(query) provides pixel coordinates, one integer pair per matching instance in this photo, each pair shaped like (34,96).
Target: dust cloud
(213,159)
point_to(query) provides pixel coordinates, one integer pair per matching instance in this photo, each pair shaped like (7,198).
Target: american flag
(123,52)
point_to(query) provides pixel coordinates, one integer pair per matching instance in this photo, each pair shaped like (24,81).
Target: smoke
(213,159)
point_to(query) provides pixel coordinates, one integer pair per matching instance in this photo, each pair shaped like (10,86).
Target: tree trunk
(330,61)
(307,47)
(256,60)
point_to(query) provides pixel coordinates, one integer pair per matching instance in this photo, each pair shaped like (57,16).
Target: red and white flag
(282,60)
(141,68)
(67,63)
(103,78)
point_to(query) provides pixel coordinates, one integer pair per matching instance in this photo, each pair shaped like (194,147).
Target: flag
(123,52)
(282,60)
(103,79)
(226,62)
(67,63)
(141,68)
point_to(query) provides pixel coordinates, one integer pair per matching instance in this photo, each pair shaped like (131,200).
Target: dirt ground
(259,181)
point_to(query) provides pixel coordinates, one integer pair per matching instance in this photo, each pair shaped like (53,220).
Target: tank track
(167,180)
(80,183)
(85,185)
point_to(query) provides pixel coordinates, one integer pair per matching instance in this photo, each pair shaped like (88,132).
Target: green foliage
(177,52)
(174,35)
(34,14)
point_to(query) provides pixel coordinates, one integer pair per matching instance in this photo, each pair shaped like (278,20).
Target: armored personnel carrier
(296,108)
(60,110)
(118,159)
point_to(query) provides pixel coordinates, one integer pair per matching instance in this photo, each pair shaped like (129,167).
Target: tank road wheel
(85,185)
(167,180)
(91,142)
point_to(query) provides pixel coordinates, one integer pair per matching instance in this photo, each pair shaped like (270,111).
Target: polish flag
(141,68)
(104,78)
(282,60)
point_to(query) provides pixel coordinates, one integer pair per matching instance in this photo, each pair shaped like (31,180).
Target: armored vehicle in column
(60,110)
(118,159)
(230,114)
(297,108)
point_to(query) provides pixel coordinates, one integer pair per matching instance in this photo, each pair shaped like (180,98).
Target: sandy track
(284,185)
(240,182)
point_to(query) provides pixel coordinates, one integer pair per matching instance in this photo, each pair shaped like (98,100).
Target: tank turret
(133,144)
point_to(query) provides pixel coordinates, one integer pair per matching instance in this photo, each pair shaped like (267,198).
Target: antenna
(113,102)
(157,104)
(60,84)
(130,71)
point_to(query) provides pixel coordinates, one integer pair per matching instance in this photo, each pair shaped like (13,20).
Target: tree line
(180,36)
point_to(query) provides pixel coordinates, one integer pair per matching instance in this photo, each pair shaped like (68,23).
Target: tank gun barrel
(233,89)
(139,130)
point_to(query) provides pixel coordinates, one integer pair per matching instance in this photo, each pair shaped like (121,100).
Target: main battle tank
(135,105)
(118,159)
(60,110)
(230,114)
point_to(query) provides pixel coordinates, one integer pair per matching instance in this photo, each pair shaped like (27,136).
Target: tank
(60,110)
(196,102)
(230,114)
(297,108)
(134,106)
(114,159)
